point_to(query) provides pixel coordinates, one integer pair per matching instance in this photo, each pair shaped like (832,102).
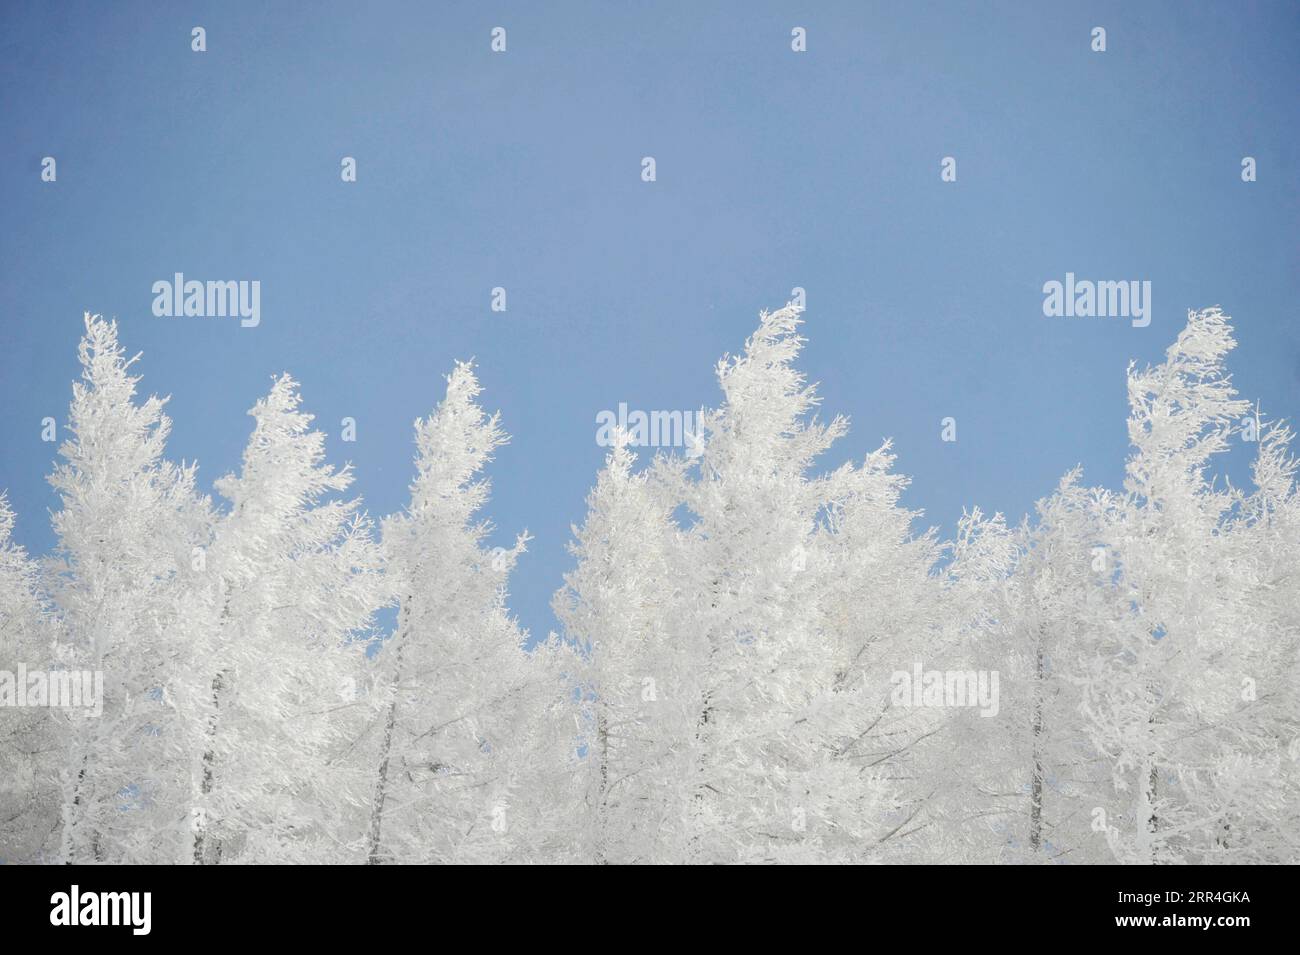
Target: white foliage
(725,688)
(294,578)
(32,739)
(474,750)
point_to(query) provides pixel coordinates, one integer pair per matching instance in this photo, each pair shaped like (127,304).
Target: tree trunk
(602,810)
(375,854)
(209,767)
(71,814)
(1151,800)
(1036,780)
(219,681)
(703,730)
(702,742)
(1153,824)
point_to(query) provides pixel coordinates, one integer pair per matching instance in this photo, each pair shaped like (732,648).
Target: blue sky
(522,170)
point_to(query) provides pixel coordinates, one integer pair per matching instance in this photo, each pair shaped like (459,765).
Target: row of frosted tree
(723,689)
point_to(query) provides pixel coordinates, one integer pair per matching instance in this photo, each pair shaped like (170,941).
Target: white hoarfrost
(760,661)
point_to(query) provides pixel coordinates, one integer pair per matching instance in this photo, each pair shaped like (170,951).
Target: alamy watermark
(922,687)
(59,689)
(192,298)
(1087,299)
(130,909)
(654,429)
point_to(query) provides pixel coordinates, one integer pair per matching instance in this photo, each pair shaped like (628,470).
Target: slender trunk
(74,816)
(1144,848)
(702,737)
(76,800)
(602,810)
(1036,781)
(72,812)
(1154,822)
(209,767)
(375,854)
(1221,840)
(1153,778)
(702,742)
(219,681)
(80,795)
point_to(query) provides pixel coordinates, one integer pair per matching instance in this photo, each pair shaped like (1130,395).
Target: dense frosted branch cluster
(757,663)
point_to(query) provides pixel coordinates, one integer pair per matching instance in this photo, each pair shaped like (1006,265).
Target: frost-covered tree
(1171,691)
(1269,530)
(1031,779)
(475,756)
(32,738)
(766,628)
(813,592)
(735,623)
(295,578)
(619,605)
(121,581)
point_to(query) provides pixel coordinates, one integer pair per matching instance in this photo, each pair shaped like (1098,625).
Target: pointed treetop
(103,420)
(283,463)
(454,445)
(1183,410)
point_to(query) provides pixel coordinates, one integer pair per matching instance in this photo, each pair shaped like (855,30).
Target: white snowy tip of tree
(473,756)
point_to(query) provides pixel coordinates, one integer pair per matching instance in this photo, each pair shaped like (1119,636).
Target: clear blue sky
(522,170)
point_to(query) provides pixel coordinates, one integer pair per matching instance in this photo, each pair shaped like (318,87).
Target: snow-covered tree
(295,578)
(1268,528)
(475,757)
(1031,779)
(619,605)
(736,625)
(1171,690)
(815,593)
(32,738)
(767,630)
(121,581)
